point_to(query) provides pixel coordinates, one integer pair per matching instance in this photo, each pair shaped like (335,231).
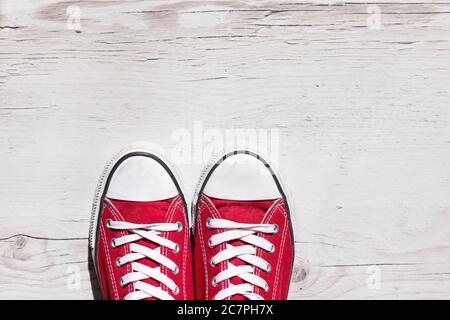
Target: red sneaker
(140,236)
(244,245)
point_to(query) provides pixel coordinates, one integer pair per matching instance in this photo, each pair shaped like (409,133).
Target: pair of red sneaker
(242,237)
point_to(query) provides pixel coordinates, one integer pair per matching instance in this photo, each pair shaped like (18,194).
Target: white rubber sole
(99,191)
(217,159)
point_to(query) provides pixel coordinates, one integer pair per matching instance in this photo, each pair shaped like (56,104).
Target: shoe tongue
(145,213)
(243,212)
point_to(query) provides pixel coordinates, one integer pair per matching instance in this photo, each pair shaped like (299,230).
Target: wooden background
(362,109)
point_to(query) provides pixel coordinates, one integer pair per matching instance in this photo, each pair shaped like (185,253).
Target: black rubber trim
(105,191)
(274,177)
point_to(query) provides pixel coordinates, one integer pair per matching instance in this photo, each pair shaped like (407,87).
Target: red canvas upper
(166,211)
(249,212)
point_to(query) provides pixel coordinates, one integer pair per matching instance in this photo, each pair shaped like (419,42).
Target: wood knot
(300,270)
(20,242)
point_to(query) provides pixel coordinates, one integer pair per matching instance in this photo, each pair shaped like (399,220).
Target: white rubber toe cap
(242,177)
(141,178)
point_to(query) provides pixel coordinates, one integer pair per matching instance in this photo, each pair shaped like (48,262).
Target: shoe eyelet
(118,263)
(208,223)
(266,288)
(275,229)
(268,269)
(122,283)
(176,291)
(212,264)
(180,226)
(214,282)
(177,249)
(113,243)
(272,249)
(210,244)
(108,223)
(176,270)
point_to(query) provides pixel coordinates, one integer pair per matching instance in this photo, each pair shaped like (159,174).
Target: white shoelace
(247,253)
(140,271)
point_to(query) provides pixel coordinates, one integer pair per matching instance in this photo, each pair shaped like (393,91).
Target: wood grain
(363,116)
